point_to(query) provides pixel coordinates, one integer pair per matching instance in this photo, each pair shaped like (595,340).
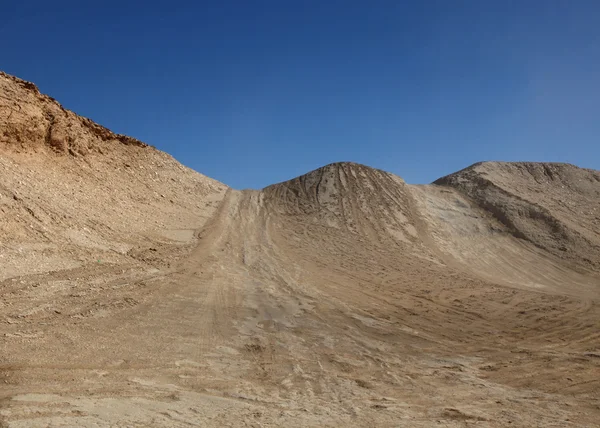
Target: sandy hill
(551,205)
(73,192)
(136,292)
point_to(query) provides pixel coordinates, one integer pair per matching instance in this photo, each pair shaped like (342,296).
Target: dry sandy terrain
(135,292)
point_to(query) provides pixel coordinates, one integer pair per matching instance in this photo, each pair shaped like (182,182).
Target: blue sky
(256,92)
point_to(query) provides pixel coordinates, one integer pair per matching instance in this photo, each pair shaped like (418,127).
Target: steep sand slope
(73,192)
(554,206)
(349,197)
(344,297)
(470,238)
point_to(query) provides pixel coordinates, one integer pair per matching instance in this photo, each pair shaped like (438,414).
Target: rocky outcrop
(31,121)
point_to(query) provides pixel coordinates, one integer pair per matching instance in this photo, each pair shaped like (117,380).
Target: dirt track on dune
(137,292)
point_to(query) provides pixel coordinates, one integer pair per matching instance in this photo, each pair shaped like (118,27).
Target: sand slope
(344,297)
(73,192)
(554,206)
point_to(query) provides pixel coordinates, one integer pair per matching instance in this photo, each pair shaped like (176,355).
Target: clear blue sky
(256,92)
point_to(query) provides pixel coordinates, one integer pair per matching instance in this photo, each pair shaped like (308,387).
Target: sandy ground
(344,297)
(276,319)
